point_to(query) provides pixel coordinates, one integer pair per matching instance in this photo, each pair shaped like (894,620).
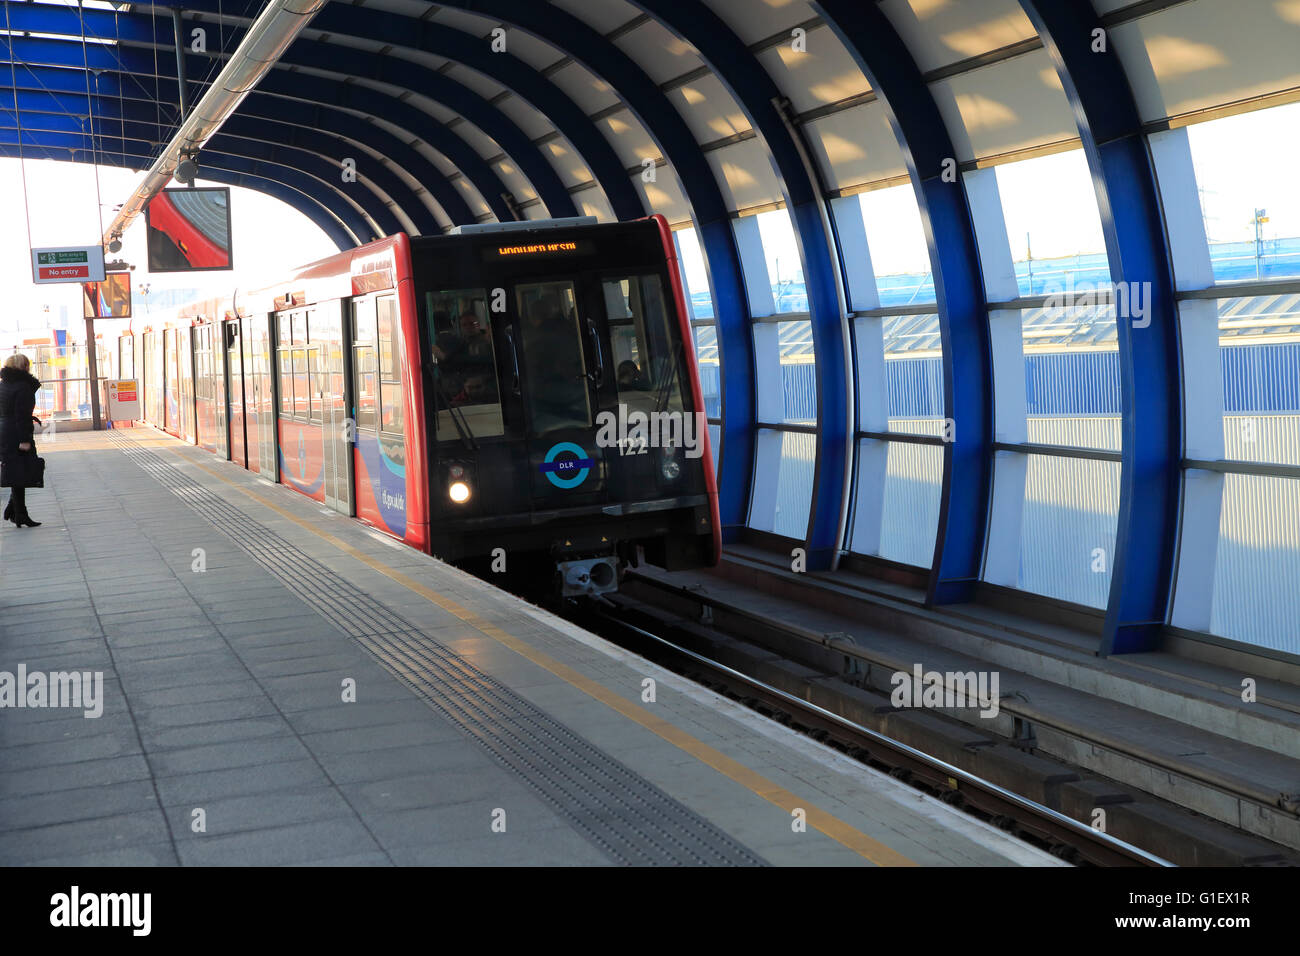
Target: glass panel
(784,265)
(913,373)
(1260,360)
(1052,222)
(798,372)
(316,384)
(389,346)
(1250,197)
(286,381)
(715,443)
(1072,378)
(706,358)
(391,407)
(1067,530)
(554,367)
(909,518)
(1257,563)
(364,385)
(794,484)
(694,274)
(301,391)
(900,257)
(648,368)
(465,374)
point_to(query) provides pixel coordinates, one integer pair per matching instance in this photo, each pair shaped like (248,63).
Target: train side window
(390,365)
(286,380)
(301,391)
(314,384)
(467,391)
(647,353)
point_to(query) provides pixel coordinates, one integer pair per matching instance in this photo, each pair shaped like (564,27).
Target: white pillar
(1202,376)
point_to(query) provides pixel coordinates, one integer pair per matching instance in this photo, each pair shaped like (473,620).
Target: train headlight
(670,467)
(458,492)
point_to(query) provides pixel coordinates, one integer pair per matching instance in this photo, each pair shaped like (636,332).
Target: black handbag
(22,471)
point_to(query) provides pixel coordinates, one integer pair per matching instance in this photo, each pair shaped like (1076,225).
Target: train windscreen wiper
(457,416)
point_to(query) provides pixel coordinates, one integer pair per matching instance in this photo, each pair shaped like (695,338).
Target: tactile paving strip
(630,819)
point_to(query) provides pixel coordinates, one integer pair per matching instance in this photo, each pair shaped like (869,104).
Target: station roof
(446,127)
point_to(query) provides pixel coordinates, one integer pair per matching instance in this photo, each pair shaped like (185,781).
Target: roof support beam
(958,284)
(1137,245)
(133,64)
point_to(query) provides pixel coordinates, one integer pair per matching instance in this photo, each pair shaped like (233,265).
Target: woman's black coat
(17,402)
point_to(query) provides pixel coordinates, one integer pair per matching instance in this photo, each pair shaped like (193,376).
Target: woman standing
(17,402)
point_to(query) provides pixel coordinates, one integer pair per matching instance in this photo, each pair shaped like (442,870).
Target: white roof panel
(1200,55)
(744,174)
(629,138)
(855,146)
(664,195)
(939,33)
(1010,105)
(515,181)
(754,20)
(585,88)
(604,15)
(824,73)
(660,53)
(708,109)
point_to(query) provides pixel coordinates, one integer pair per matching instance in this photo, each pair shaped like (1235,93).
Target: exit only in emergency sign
(68,264)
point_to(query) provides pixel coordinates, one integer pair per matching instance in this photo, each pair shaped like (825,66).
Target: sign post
(68,264)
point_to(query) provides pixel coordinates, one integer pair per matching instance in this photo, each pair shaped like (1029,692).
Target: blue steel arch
(959,289)
(395,30)
(60,81)
(130,119)
(665,125)
(1151,386)
(143,29)
(302,194)
(753,88)
(63,53)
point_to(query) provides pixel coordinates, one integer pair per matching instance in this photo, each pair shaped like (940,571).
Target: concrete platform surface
(264,682)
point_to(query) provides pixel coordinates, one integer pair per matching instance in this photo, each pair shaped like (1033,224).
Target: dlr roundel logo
(570,470)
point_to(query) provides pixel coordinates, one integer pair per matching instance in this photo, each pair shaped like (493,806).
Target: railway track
(651,637)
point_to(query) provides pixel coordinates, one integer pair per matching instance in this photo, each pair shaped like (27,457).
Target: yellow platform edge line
(821,820)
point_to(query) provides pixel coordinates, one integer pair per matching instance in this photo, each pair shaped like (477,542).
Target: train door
(209,392)
(328,372)
(301,416)
(171,378)
(259,396)
(377,401)
(220,408)
(185,377)
(234,378)
(563,367)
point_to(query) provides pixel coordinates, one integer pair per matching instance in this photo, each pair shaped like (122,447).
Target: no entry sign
(68,264)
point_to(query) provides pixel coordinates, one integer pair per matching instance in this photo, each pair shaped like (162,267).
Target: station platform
(283,686)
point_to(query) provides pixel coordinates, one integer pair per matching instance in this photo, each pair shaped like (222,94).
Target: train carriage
(523,392)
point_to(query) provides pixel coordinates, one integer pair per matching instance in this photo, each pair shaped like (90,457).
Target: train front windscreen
(559,376)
